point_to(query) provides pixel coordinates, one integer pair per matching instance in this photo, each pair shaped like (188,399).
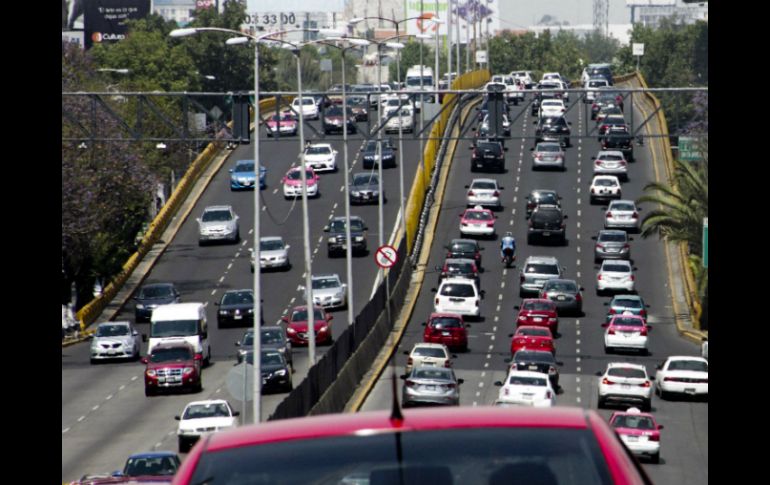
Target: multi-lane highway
(105,415)
(684,442)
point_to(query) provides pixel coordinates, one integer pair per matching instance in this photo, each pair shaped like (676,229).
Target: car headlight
(281,372)
(223,312)
(290,330)
(323,328)
(359,238)
(186,431)
(188,370)
(139,306)
(241,352)
(355,193)
(150,373)
(332,239)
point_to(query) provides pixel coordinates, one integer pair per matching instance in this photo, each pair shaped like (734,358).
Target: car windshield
(271,358)
(627,322)
(545,198)
(238,298)
(612,157)
(297,175)
(173,328)
(318,150)
(356,225)
(436,352)
(548,147)
(151,466)
(462,268)
(552,103)
(171,354)
(217,216)
(605,183)
(633,422)
(542,268)
(357,100)
(446,322)
(612,237)
(469,456)
(527,381)
(112,330)
(593,84)
(626,303)
(441,374)
(463,247)
(532,356)
(245,167)
(334,111)
(365,179)
(155,292)
(270,245)
(479,216)
(535,332)
(321,283)
(626,372)
(457,290)
(202,411)
(566,286)
(483,185)
(616,268)
(537,305)
(272,336)
(282,117)
(692,365)
(301,315)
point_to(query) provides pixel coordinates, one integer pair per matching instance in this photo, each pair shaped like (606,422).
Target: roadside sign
(688,149)
(481,57)
(385,256)
(638,49)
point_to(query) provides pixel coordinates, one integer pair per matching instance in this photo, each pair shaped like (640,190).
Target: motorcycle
(508,257)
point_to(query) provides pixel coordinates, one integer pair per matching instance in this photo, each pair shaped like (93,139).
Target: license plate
(536,319)
(632,438)
(561,298)
(625,386)
(430,388)
(527,396)
(613,250)
(429,364)
(264,381)
(533,367)
(446,334)
(112,353)
(546,234)
(237,317)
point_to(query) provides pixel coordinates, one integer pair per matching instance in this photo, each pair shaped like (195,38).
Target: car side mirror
(216,303)
(326,228)
(560,363)
(517,307)
(366,228)
(424,323)
(402,377)
(582,289)
(532,149)
(467,186)
(635,268)
(569,122)
(236,413)
(505,149)
(406,352)
(498,384)
(144,337)
(566,216)
(649,328)
(473,129)
(481,248)
(500,188)
(231,170)
(605,325)
(177,418)
(237,343)
(433,290)
(198,219)
(660,426)
(593,158)
(144,360)
(593,238)
(630,239)
(598,373)
(460,381)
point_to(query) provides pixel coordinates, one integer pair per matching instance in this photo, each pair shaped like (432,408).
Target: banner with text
(105,20)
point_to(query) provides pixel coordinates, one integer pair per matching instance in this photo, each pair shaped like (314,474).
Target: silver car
(328,291)
(536,271)
(566,295)
(611,244)
(115,340)
(273,253)
(218,223)
(431,385)
(548,155)
(611,162)
(483,192)
(622,214)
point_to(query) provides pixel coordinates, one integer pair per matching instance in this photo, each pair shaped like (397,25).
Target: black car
(612,125)
(365,188)
(538,361)
(271,338)
(150,296)
(604,72)
(359,106)
(553,128)
(388,153)
(337,237)
(276,373)
(547,222)
(603,99)
(622,141)
(459,268)
(488,155)
(236,307)
(465,249)
(541,196)
(332,120)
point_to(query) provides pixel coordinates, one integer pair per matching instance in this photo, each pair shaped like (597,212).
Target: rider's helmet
(509,234)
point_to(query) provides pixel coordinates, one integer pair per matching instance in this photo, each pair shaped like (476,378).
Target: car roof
(561,280)
(218,207)
(622,201)
(614,365)
(622,262)
(325,275)
(271,238)
(687,357)
(208,402)
(459,261)
(267,327)
(120,322)
(170,344)
(321,145)
(542,259)
(602,177)
(343,218)
(526,373)
(239,162)
(247,290)
(464,281)
(494,181)
(302,308)
(539,300)
(413,420)
(614,231)
(429,345)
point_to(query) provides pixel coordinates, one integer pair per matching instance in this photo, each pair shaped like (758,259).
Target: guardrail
(92,309)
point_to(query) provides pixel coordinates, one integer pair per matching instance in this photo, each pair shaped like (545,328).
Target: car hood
(274,253)
(216,224)
(170,365)
(374,187)
(310,182)
(268,368)
(319,157)
(302,326)
(123,339)
(218,421)
(327,291)
(248,175)
(156,301)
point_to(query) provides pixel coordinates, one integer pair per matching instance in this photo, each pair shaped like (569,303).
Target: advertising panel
(105,20)
(295,6)
(470,12)
(650,3)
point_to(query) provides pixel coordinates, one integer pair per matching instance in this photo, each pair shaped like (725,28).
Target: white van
(181,321)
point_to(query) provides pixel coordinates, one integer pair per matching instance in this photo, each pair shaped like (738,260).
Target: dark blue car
(151,463)
(242,175)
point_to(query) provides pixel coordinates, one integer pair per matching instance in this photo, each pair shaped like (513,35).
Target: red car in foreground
(539,312)
(532,337)
(467,445)
(296,328)
(448,329)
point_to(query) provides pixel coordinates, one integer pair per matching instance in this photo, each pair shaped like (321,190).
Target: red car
(172,366)
(531,337)
(538,312)
(282,124)
(639,432)
(448,329)
(296,328)
(440,446)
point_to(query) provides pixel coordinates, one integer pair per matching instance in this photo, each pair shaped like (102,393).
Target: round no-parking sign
(385,256)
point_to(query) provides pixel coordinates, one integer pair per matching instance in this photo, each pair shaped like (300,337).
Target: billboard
(105,20)
(295,6)
(650,3)
(470,12)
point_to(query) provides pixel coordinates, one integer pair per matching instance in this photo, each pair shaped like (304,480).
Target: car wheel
(184,447)
(199,387)
(601,403)
(522,294)
(94,361)
(289,386)
(607,350)
(647,406)
(149,391)
(529,239)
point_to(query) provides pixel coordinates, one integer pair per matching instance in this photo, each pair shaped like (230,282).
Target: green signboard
(706,242)
(688,149)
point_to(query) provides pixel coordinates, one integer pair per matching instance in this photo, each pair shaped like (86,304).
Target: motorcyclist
(508,243)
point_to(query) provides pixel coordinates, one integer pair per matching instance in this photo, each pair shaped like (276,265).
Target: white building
(621,32)
(180,11)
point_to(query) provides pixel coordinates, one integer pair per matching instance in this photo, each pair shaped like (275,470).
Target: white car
(425,354)
(273,253)
(611,162)
(458,295)
(624,382)
(392,102)
(682,375)
(551,76)
(217,223)
(308,107)
(704,348)
(615,275)
(321,157)
(483,192)
(626,332)
(605,187)
(201,417)
(622,214)
(477,221)
(405,120)
(551,107)
(527,388)
(593,85)
(115,340)
(328,291)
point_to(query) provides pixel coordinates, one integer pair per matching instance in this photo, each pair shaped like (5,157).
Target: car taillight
(548,394)
(626,246)
(609,214)
(592,190)
(464,224)
(612,311)
(507,391)
(436,301)
(451,386)
(633,278)
(645,384)
(594,106)
(599,246)
(643,313)
(410,383)
(578,297)
(611,331)
(477,302)
(653,437)
(623,162)
(198,356)
(552,370)
(491,224)
(448,255)
(409,361)
(521,279)
(599,276)
(496,194)
(447,363)
(530,223)
(643,332)
(470,193)
(635,215)
(607,381)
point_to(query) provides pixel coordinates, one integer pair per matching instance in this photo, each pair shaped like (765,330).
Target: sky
(520,14)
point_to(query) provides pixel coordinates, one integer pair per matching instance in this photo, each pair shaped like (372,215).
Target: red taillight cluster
(451,386)
(607,381)
(548,394)
(609,214)
(643,332)
(496,194)
(599,276)
(410,383)
(470,193)
(447,363)
(635,215)
(645,384)
(654,437)
(610,331)
(578,297)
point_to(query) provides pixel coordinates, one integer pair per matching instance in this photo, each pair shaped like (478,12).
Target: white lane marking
(304,275)
(577,332)
(95,408)
(122,387)
(578,262)
(578,180)
(578,369)
(342,188)
(578,235)
(502,284)
(331,216)
(489,356)
(578,274)
(81,418)
(578,201)
(516,189)
(158,444)
(578,190)
(264,208)
(229,266)
(213,292)
(108,397)
(577,379)
(335,206)
(65,430)
(578,341)
(578,212)
(291,302)
(483,374)
(486,364)
(275,191)
(514,199)
(475,403)
(577,389)
(251,231)
(491,347)
(505,272)
(510,223)
(577,351)
(496,319)
(578,249)
(315,251)
(478,393)
(134,378)
(481,384)
(578,399)
(320,240)
(500,296)
(221,279)
(498,308)
(494,329)
(578,224)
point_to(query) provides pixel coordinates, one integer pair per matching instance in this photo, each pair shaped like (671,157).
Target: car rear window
(469,456)
(611,157)
(612,237)
(561,286)
(537,305)
(616,268)
(628,322)
(463,268)
(536,332)
(626,372)
(464,247)
(527,381)
(446,322)
(545,198)
(430,352)
(605,183)
(693,365)
(533,356)
(622,206)
(546,215)
(627,303)
(483,185)
(539,268)
(457,290)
